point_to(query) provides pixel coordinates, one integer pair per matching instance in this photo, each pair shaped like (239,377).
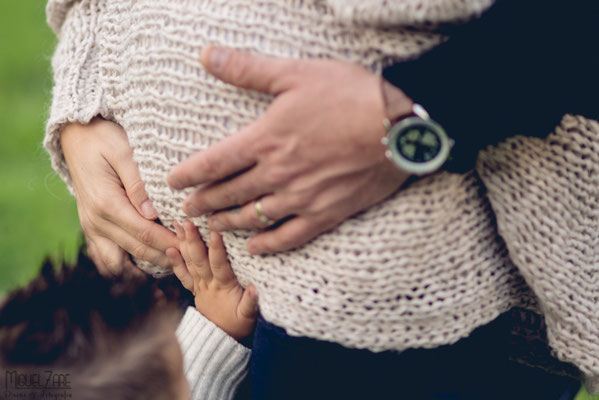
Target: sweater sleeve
(544,193)
(77,92)
(401,13)
(515,70)
(215,364)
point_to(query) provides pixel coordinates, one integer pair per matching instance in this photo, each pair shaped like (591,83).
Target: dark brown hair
(108,335)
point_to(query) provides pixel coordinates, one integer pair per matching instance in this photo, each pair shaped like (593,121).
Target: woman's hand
(114,210)
(314,155)
(208,275)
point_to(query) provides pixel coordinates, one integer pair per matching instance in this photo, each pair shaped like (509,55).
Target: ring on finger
(261,215)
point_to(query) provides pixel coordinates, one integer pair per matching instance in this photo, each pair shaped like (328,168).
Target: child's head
(90,337)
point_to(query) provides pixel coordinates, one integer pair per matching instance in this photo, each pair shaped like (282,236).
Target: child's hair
(108,335)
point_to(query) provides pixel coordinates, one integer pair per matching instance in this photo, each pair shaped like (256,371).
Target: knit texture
(545,194)
(215,364)
(389,13)
(423,268)
(77,94)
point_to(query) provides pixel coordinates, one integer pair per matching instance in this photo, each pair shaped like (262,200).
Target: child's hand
(208,275)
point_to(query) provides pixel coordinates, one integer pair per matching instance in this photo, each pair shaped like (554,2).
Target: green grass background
(38,216)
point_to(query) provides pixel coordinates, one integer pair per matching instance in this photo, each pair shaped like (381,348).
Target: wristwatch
(415,143)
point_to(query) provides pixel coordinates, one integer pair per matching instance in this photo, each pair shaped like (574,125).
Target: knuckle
(103,207)
(92,226)
(208,166)
(223,221)
(264,246)
(266,144)
(323,206)
(137,188)
(278,176)
(112,265)
(113,262)
(239,67)
(145,236)
(325,221)
(230,198)
(87,224)
(180,177)
(192,207)
(286,240)
(300,200)
(140,251)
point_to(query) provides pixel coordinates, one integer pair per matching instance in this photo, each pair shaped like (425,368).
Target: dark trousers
(475,368)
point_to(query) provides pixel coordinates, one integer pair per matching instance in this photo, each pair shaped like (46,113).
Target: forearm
(515,70)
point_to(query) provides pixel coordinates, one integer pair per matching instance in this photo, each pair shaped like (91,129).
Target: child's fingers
(248,305)
(221,269)
(179,231)
(182,242)
(197,258)
(180,269)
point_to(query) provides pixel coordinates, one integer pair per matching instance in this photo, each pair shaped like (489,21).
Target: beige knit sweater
(424,268)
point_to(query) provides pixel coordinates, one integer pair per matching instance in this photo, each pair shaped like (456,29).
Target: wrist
(396,105)
(395,102)
(415,143)
(99,136)
(71,133)
(69,137)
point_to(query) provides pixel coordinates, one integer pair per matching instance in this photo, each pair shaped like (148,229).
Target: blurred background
(38,217)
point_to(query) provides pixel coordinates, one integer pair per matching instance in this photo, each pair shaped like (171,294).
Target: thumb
(247,71)
(248,305)
(128,173)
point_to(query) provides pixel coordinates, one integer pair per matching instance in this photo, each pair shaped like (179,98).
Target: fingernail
(148,210)
(179,230)
(186,228)
(173,183)
(217,226)
(214,237)
(192,211)
(253,249)
(218,57)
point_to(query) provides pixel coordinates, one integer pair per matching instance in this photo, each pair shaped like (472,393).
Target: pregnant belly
(373,279)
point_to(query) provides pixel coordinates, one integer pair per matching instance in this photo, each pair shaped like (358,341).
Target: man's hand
(114,210)
(208,275)
(314,158)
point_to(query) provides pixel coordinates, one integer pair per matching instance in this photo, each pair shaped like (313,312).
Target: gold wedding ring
(260,213)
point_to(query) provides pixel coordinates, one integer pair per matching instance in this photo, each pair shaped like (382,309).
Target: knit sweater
(214,362)
(534,84)
(425,267)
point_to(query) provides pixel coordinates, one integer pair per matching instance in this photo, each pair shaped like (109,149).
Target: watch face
(418,143)
(417,146)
